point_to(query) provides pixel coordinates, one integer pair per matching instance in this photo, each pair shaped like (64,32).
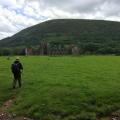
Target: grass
(64,88)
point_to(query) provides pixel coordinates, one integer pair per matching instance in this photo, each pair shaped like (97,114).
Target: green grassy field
(64,88)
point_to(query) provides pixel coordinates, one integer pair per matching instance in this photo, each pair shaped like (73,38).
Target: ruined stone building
(48,49)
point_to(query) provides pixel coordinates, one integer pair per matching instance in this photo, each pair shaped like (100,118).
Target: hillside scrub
(91,36)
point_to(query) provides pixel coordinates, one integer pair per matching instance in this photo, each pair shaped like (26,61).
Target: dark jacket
(16,67)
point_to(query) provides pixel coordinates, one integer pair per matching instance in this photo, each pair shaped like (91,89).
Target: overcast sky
(16,15)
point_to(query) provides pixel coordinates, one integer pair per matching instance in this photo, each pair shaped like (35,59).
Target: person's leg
(19,80)
(14,81)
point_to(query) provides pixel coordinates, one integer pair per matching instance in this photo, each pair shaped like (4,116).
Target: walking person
(17,69)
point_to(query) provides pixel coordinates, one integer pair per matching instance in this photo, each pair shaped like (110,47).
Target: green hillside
(90,35)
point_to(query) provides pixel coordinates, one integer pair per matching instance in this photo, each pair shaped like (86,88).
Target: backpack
(15,68)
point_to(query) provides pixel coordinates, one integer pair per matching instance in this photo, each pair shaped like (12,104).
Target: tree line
(64,49)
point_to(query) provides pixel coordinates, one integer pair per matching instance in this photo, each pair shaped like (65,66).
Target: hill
(89,35)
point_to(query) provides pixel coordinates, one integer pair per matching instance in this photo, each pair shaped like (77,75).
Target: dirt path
(112,116)
(5,115)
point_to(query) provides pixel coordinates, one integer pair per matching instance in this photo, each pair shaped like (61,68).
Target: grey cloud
(111,8)
(71,5)
(106,7)
(5,28)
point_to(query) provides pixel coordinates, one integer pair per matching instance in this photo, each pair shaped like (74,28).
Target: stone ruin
(49,49)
